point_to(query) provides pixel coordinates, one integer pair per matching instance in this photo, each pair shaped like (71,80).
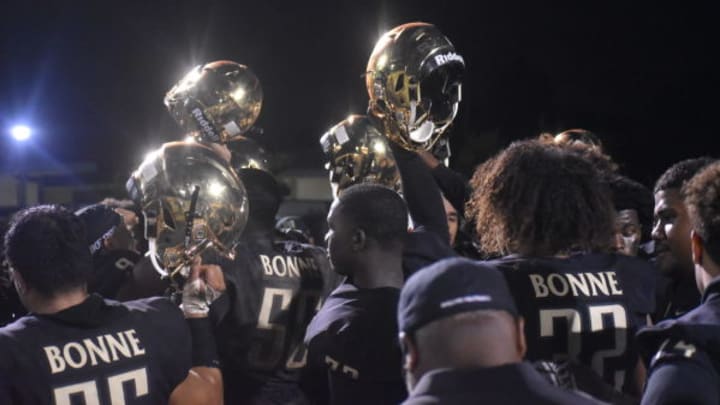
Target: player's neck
(60,302)
(380,271)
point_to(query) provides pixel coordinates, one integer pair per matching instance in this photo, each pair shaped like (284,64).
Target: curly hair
(629,194)
(702,199)
(540,199)
(46,244)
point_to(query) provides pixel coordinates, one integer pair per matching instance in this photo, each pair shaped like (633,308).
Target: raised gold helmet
(191,201)
(414,79)
(356,152)
(216,102)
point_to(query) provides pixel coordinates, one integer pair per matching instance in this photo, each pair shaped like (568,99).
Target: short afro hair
(627,194)
(47,245)
(378,210)
(679,173)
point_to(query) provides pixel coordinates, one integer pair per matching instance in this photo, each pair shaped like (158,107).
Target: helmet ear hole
(381,104)
(400,83)
(167,217)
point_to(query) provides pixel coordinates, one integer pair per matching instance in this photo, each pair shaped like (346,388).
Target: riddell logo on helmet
(448,57)
(204,124)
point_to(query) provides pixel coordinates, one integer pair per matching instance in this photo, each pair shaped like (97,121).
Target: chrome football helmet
(216,102)
(191,200)
(356,152)
(414,79)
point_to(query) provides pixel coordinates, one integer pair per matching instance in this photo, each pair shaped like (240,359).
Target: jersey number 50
(273,319)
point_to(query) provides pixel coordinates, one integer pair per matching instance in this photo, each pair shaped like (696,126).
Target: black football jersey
(423,248)
(517,383)
(111,270)
(585,308)
(274,289)
(10,306)
(675,298)
(354,338)
(683,354)
(97,352)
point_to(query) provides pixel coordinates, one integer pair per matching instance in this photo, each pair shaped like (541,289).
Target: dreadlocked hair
(539,199)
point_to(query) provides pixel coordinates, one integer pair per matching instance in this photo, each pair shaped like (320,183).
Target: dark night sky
(91,75)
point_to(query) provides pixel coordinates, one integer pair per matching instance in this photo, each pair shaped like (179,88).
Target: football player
(112,248)
(413,79)
(463,340)
(683,352)
(353,338)
(544,206)
(275,284)
(671,234)
(633,207)
(74,346)
(10,306)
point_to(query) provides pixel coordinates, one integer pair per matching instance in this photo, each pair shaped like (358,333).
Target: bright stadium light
(21,132)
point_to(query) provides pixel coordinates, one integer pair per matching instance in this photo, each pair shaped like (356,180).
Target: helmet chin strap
(432,128)
(413,112)
(152,252)
(424,131)
(184,268)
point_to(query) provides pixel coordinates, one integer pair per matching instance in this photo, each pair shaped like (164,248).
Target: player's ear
(18,282)
(696,244)
(409,351)
(521,342)
(359,239)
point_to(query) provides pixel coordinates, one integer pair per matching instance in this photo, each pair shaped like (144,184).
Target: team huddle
(547,278)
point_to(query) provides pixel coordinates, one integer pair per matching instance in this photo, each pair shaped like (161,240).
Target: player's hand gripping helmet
(191,201)
(356,152)
(216,102)
(414,79)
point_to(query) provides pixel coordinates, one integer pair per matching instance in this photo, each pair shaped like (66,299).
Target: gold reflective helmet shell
(579,136)
(191,201)
(356,152)
(414,80)
(216,102)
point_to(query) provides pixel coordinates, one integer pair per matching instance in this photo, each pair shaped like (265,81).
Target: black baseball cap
(452,286)
(100,222)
